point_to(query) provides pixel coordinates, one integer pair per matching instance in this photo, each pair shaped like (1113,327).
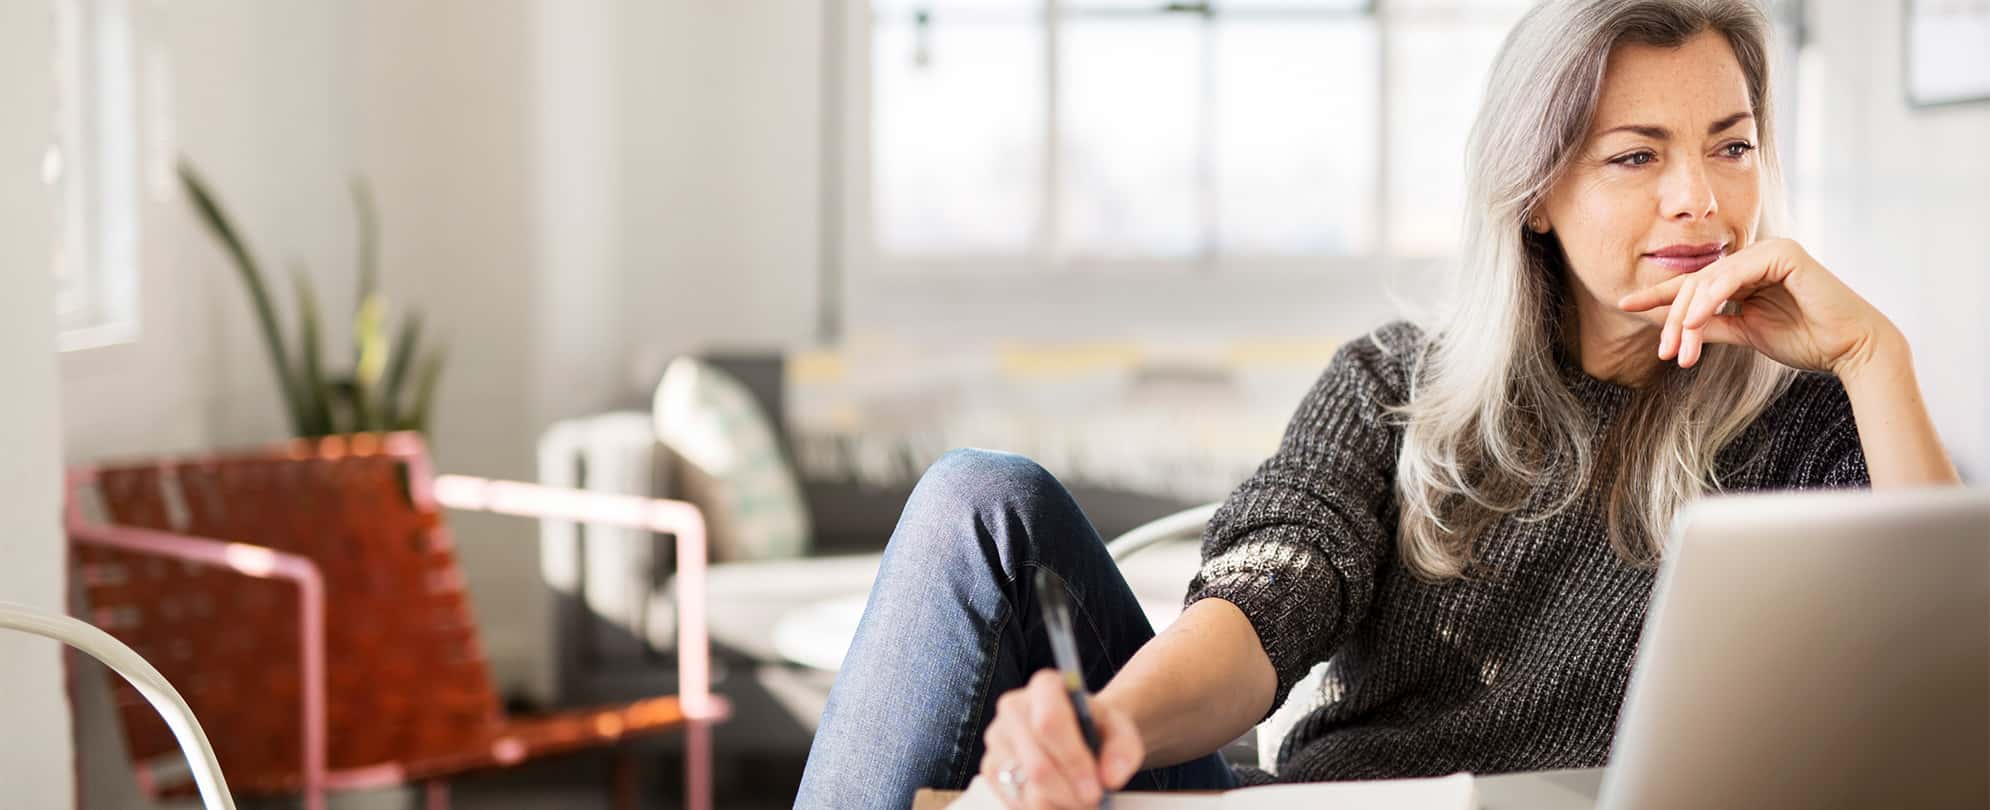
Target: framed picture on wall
(1946,51)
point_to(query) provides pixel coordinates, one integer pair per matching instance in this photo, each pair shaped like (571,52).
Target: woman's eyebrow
(1729,121)
(1659,133)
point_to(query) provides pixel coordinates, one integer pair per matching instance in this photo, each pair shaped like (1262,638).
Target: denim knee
(983,488)
(976,478)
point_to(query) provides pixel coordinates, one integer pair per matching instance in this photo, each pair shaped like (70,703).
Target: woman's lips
(1685,264)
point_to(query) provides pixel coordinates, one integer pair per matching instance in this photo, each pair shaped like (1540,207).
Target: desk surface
(1539,790)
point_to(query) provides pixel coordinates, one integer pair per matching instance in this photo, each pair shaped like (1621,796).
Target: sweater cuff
(1290,593)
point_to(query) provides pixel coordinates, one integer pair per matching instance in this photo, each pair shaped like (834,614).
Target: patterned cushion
(730,464)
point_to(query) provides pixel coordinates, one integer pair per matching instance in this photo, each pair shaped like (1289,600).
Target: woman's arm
(1190,690)
(1198,685)
(1898,437)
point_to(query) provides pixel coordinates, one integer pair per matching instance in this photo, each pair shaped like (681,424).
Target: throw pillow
(730,464)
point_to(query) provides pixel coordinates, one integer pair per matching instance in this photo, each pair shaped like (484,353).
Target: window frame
(92,134)
(859,250)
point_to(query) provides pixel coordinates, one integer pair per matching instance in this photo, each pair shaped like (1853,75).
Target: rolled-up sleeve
(1298,545)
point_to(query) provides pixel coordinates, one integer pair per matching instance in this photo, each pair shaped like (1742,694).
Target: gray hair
(1492,420)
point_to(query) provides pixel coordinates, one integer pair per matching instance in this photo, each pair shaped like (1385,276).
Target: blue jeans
(953,623)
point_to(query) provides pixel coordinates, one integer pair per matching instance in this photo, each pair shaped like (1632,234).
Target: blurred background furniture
(308,601)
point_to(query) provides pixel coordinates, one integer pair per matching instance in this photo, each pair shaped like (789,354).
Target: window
(1054,134)
(93,167)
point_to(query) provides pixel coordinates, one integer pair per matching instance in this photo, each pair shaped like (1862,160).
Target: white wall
(36,759)
(1896,201)
(721,209)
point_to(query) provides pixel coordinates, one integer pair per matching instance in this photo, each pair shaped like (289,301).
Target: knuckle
(1039,771)
(1044,722)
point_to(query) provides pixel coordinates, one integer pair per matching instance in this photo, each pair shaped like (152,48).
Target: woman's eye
(1635,159)
(1738,149)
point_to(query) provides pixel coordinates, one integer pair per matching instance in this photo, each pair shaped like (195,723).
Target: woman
(1466,518)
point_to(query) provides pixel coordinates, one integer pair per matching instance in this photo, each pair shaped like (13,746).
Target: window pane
(957,136)
(1295,107)
(1129,119)
(94,169)
(1437,75)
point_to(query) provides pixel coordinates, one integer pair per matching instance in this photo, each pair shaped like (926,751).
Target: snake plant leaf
(370,346)
(317,394)
(405,343)
(369,240)
(431,370)
(217,222)
(346,417)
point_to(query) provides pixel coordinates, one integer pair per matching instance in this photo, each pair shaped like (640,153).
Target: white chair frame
(121,659)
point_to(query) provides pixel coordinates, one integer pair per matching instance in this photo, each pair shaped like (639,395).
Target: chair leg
(698,766)
(627,778)
(435,794)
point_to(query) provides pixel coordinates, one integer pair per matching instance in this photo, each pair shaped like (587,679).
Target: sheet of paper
(1452,792)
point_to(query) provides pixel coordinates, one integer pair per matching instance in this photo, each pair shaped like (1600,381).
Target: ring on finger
(1011,779)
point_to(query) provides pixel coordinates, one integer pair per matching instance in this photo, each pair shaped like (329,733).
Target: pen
(1064,648)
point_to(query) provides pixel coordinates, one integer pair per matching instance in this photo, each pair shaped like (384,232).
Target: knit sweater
(1522,667)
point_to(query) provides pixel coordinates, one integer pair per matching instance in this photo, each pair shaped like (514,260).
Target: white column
(37,760)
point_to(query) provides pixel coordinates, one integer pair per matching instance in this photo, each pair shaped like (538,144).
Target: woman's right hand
(1035,738)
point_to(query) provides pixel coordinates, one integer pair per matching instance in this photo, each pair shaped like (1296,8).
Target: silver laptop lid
(1814,651)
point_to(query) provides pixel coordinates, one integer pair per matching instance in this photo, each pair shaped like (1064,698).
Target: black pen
(1064,648)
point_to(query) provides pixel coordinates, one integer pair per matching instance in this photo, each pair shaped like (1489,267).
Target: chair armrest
(164,698)
(1180,524)
(249,560)
(663,516)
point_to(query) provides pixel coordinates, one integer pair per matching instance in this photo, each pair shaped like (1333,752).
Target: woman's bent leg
(952,623)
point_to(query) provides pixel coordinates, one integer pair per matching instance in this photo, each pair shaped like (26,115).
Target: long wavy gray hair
(1492,420)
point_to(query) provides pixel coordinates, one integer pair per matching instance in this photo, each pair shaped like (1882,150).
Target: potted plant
(390,384)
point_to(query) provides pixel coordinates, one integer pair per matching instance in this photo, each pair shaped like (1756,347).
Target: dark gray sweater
(1523,668)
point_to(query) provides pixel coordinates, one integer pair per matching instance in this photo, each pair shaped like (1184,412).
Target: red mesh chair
(308,604)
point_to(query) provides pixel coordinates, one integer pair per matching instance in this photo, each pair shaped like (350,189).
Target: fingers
(1120,747)
(1055,726)
(1675,316)
(1652,297)
(1044,783)
(1036,732)
(996,756)
(1724,329)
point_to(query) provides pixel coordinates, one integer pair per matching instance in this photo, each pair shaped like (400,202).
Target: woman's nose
(1685,194)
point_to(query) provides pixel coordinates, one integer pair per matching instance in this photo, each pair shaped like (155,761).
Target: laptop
(1826,650)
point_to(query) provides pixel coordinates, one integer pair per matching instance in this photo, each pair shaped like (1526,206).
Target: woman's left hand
(1792,309)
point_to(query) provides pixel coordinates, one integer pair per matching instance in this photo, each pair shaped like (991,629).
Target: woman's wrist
(1881,359)
(1901,445)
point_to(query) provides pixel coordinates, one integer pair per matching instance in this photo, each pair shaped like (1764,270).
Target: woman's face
(1666,180)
